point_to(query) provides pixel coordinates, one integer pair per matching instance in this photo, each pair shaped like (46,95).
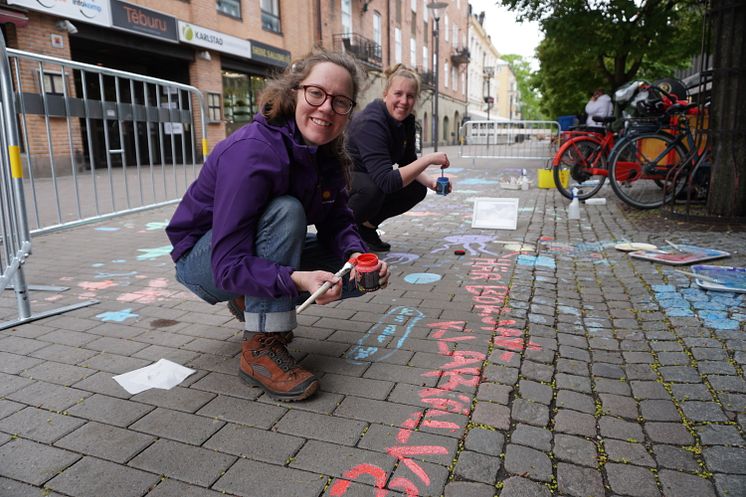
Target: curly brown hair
(278,99)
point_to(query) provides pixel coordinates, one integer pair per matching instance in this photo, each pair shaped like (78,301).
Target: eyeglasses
(316,96)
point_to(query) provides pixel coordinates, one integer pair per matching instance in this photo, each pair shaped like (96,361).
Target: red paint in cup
(366,268)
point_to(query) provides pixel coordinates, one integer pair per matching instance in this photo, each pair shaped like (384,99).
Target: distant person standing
(599,105)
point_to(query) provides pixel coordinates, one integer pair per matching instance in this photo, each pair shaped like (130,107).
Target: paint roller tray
(729,278)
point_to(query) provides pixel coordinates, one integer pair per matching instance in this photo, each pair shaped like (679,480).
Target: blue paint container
(441,186)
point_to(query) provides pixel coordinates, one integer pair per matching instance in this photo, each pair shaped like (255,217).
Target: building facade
(228,48)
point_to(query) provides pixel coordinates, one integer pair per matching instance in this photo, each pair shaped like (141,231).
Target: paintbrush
(675,247)
(702,277)
(323,288)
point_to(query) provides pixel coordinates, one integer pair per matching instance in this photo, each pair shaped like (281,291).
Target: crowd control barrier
(509,139)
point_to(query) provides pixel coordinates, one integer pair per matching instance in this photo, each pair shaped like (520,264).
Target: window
(397,45)
(425,56)
(271,16)
(346,17)
(397,12)
(414,5)
(446,74)
(414,24)
(214,107)
(377,28)
(230,7)
(446,26)
(53,84)
(412,52)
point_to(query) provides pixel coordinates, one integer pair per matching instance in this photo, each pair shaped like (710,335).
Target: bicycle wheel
(578,160)
(639,165)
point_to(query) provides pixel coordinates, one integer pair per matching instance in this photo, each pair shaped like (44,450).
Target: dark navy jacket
(257,163)
(376,141)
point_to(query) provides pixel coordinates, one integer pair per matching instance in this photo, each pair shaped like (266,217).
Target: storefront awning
(18,18)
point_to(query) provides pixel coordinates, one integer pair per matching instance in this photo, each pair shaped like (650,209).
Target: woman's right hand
(438,159)
(310,281)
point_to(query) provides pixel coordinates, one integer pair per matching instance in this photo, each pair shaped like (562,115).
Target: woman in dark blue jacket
(381,136)
(240,232)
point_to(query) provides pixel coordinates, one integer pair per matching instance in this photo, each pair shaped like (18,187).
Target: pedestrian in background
(599,105)
(240,232)
(379,137)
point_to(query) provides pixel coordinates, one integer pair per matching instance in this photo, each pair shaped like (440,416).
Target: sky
(508,35)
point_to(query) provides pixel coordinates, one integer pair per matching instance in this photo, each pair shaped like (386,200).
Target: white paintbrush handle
(323,288)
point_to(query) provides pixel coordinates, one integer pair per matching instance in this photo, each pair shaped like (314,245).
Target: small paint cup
(366,269)
(441,186)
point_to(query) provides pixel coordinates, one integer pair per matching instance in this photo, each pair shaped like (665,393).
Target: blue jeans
(282,238)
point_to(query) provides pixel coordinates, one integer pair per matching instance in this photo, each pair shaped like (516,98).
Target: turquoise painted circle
(422,278)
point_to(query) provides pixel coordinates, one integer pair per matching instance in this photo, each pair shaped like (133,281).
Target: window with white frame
(53,83)
(445,20)
(214,107)
(446,74)
(377,28)
(270,10)
(397,45)
(425,56)
(229,7)
(413,52)
(346,16)
(414,5)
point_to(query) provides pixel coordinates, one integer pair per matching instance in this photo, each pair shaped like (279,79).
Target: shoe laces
(275,345)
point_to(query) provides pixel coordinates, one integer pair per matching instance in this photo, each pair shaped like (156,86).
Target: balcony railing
(427,78)
(363,49)
(460,56)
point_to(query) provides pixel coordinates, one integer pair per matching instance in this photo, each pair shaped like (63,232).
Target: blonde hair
(402,71)
(278,99)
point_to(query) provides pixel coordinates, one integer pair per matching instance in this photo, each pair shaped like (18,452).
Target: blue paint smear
(107,228)
(152,253)
(540,260)
(477,181)
(117,316)
(422,278)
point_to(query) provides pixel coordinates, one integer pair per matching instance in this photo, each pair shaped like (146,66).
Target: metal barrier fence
(16,239)
(509,139)
(98,142)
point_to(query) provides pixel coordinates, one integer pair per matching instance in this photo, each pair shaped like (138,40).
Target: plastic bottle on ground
(573,210)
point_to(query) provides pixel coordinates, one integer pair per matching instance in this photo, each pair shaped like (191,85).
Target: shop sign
(214,40)
(92,11)
(261,52)
(143,21)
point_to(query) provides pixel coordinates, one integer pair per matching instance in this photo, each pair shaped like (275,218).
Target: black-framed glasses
(316,96)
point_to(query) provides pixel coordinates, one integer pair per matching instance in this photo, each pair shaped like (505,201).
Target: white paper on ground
(163,374)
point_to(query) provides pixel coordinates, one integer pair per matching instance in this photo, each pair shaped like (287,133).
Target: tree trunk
(727,196)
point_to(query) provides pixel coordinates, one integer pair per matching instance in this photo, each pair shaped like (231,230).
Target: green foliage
(525,80)
(606,43)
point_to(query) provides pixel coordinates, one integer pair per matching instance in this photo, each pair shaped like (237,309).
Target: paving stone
(687,391)
(575,450)
(15,363)
(501,374)
(572,382)
(521,460)
(670,433)
(672,457)
(515,486)
(536,371)
(11,383)
(627,452)
(725,459)
(494,392)
(436,473)
(173,488)
(640,372)
(469,489)
(177,398)
(681,374)
(711,434)
(575,401)
(530,412)
(10,488)
(728,383)
(381,438)
(617,405)
(7,407)
(253,443)
(183,462)
(685,485)
(733,401)
(248,477)
(105,442)
(648,390)
(239,411)
(730,485)
(321,427)
(33,462)
(531,436)
(616,387)
(631,480)
(176,425)
(620,429)
(659,410)
(49,396)
(476,467)
(110,410)
(535,392)
(577,481)
(493,415)
(111,479)
(575,423)
(571,366)
(703,411)
(485,441)
(334,460)
(607,370)
(39,425)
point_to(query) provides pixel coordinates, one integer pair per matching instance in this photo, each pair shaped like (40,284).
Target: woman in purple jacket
(240,232)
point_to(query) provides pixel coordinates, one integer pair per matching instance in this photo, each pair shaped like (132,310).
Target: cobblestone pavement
(543,362)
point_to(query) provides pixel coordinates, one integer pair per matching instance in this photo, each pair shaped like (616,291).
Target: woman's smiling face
(321,125)
(400,97)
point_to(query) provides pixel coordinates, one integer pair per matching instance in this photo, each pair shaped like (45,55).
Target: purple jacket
(257,163)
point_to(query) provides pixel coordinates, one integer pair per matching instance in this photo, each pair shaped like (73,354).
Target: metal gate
(509,139)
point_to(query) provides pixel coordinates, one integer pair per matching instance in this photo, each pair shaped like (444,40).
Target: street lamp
(437,8)
(489,71)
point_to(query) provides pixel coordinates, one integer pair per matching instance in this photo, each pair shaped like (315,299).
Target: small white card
(495,213)
(163,374)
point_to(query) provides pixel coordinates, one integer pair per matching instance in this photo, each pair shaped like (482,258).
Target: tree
(590,43)
(524,78)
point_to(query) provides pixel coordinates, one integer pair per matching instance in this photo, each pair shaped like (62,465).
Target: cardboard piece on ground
(632,246)
(495,213)
(687,254)
(163,374)
(727,278)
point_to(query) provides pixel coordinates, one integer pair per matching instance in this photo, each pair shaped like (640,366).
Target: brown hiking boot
(267,363)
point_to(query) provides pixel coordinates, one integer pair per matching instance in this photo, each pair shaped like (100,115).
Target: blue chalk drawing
(367,348)
(400,258)
(454,170)
(538,260)
(107,228)
(422,278)
(117,316)
(474,244)
(458,190)
(477,181)
(153,253)
(566,309)
(156,225)
(717,310)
